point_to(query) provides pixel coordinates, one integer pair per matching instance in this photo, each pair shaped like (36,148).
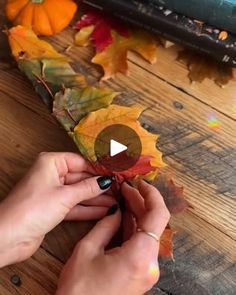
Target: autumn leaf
(70,105)
(112,41)
(201,67)
(26,45)
(172,194)
(100,27)
(166,243)
(48,70)
(82,38)
(142,167)
(86,132)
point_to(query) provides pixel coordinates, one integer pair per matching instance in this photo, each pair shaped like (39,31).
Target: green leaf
(71,105)
(50,76)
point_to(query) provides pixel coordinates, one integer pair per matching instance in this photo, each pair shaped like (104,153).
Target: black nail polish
(104,182)
(112,210)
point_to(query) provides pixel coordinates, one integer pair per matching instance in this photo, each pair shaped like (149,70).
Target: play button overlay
(118,147)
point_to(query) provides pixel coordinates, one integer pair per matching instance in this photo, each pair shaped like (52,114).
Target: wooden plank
(167,69)
(204,264)
(176,73)
(23,135)
(38,275)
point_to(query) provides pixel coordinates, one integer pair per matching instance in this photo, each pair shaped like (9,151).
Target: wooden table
(203,161)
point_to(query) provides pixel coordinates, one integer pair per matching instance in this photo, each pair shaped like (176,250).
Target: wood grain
(203,160)
(39,276)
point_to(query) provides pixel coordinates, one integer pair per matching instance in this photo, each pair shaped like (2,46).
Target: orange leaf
(113,40)
(113,59)
(166,243)
(86,132)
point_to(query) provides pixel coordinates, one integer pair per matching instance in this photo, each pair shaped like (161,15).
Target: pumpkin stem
(37,1)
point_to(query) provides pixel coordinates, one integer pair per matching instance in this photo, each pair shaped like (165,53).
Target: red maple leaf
(141,167)
(103,25)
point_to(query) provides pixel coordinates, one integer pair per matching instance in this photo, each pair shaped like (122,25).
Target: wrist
(9,248)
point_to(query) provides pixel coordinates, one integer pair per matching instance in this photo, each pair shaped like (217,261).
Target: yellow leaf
(113,58)
(25,44)
(86,132)
(82,38)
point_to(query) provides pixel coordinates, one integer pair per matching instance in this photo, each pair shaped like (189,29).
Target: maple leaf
(201,67)
(86,132)
(70,105)
(172,194)
(141,167)
(166,243)
(48,70)
(100,27)
(112,41)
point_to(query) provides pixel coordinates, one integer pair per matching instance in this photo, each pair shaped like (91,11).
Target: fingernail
(104,182)
(112,210)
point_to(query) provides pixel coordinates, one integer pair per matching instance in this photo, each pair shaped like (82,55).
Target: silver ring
(150,234)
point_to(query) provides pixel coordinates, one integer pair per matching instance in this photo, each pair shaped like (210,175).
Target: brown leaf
(172,194)
(201,67)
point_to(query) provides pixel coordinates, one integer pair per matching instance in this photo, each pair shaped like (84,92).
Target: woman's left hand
(49,193)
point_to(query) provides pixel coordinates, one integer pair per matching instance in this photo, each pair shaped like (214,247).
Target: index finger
(154,220)
(67,162)
(157,215)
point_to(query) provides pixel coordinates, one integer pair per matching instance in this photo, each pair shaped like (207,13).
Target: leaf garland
(78,106)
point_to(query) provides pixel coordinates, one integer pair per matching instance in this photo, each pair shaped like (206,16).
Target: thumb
(104,230)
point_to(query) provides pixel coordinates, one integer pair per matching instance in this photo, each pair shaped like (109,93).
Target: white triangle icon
(116,148)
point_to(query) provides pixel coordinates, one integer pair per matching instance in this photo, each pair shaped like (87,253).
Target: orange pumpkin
(45,17)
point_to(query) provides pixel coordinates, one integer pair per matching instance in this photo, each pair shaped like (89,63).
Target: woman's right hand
(131,269)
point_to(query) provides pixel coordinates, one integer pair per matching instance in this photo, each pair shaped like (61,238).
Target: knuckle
(149,282)
(44,156)
(138,269)
(162,212)
(151,190)
(83,246)
(143,272)
(88,185)
(166,214)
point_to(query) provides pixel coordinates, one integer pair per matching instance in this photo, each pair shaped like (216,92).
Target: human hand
(131,269)
(48,194)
